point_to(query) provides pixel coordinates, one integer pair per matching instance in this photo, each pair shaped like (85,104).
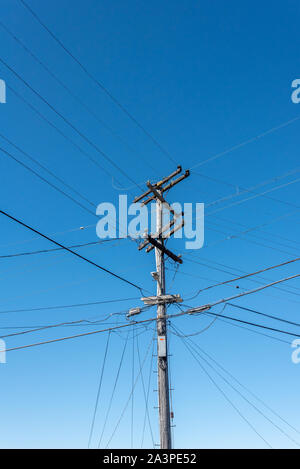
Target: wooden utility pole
(162,348)
(156,241)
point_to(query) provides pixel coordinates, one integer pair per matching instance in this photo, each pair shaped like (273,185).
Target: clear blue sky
(202,77)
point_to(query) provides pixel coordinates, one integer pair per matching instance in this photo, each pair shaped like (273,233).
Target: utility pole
(162,361)
(156,241)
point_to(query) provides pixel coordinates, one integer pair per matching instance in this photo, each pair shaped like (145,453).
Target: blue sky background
(201,77)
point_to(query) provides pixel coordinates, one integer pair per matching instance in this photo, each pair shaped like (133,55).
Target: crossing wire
(224,394)
(244,276)
(76,305)
(243,397)
(194,311)
(73,127)
(46,180)
(245,388)
(43,251)
(130,394)
(113,391)
(43,167)
(146,395)
(99,84)
(99,390)
(74,96)
(70,250)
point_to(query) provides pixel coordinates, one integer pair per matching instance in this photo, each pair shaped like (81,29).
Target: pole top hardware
(162,299)
(199,309)
(155,192)
(133,312)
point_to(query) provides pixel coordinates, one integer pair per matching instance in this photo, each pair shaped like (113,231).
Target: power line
(51,173)
(130,394)
(201,310)
(147,400)
(238,187)
(238,202)
(242,271)
(71,251)
(46,180)
(249,292)
(251,330)
(253,228)
(68,323)
(99,390)
(204,328)
(44,308)
(114,389)
(254,331)
(70,230)
(69,91)
(252,324)
(243,397)
(251,189)
(224,394)
(43,251)
(264,314)
(245,142)
(68,139)
(73,127)
(245,276)
(244,387)
(99,84)
(240,234)
(146,395)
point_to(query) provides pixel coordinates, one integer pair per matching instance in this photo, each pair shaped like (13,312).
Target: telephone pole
(156,241)
(162,361)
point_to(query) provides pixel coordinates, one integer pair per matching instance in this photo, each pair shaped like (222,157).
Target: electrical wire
(69,323)
(264,314)
(76,305)
(132,384)
(254,331)
(129,398)
(243,397)
(235,268)
(99,390)
(224,394)
(252,324)
(238,202)
(147,399)
(44,168)
(245,142)
(43,251)
(70,250)
(249,292)
(248,230)
(198,310)
(46,181)
(250,189)
(113,391)
(99,84)
(68,139)
(74,96)
(73,127)
(245,388)
(243,276)
(146,396)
